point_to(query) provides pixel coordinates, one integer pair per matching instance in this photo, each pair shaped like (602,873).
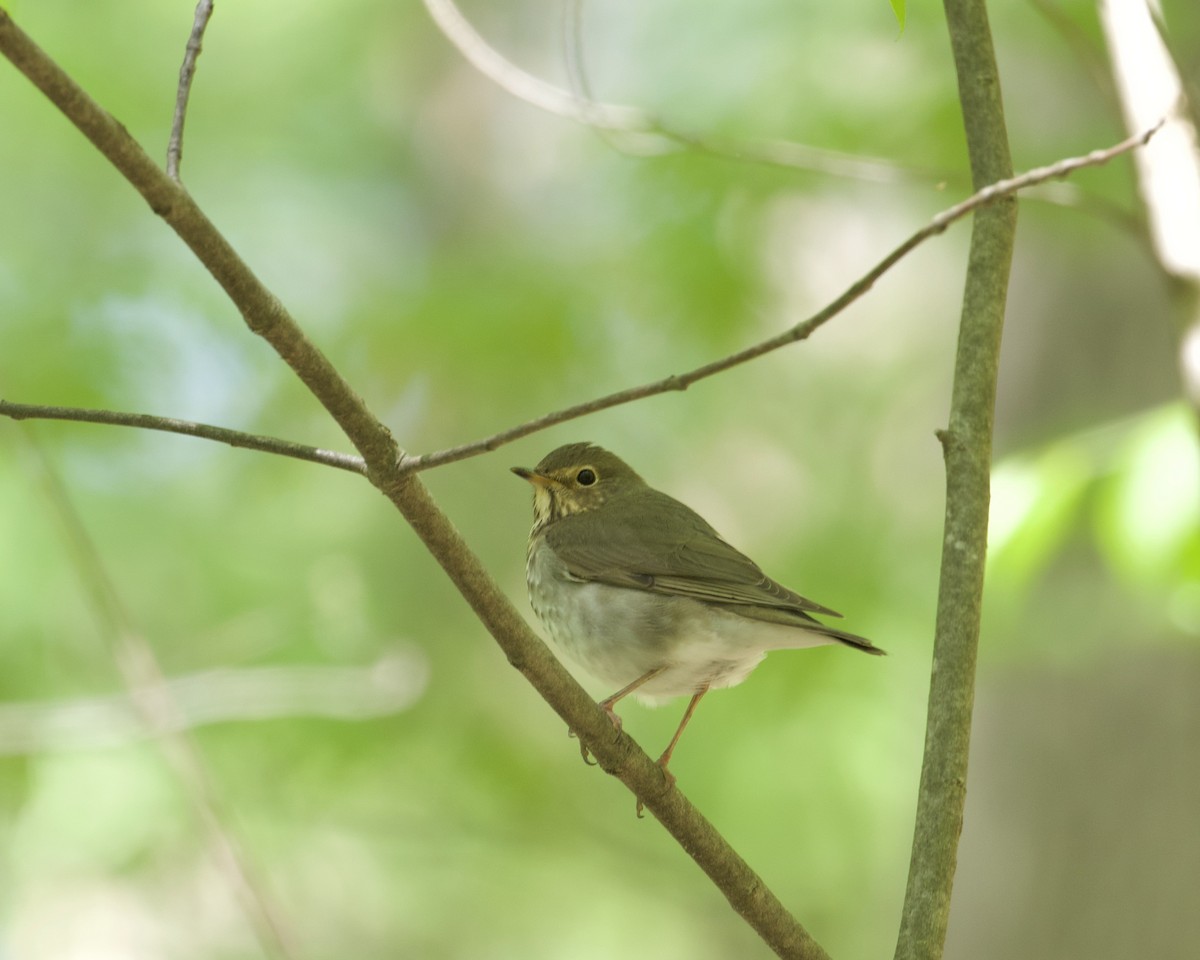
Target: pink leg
(666,754)
(687,715)
(607,705)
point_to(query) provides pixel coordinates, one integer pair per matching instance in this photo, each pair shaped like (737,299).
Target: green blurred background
(469,262)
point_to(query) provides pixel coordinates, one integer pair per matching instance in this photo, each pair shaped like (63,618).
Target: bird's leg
(607,705)
(666,754)
(687,715)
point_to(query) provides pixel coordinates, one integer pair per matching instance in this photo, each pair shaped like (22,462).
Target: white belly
(619,635)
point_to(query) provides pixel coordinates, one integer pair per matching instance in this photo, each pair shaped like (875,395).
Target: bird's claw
(583,750)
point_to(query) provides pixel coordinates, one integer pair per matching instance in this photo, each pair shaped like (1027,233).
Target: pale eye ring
(585,477)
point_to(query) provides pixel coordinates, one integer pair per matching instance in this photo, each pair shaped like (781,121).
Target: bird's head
(576,478)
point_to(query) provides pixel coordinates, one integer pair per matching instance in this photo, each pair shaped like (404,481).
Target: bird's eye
(585,477)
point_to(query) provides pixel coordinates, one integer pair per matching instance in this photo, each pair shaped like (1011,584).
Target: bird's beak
(537,479)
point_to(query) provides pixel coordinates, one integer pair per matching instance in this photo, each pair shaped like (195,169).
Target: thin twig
(145,421)
(152,701)
(800,331)
(187,70)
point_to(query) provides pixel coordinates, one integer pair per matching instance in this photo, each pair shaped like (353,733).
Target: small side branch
(146,421)
(988,195)
(187,71)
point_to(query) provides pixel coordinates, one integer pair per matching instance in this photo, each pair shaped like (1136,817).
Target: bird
(641,592)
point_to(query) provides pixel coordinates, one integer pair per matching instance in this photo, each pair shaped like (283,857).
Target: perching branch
(967,447)
(187,71)
(615,751)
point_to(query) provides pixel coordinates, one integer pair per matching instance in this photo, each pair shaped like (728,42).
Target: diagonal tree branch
(615,751)
(967,446)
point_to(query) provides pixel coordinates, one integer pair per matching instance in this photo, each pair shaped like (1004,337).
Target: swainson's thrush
(641,592)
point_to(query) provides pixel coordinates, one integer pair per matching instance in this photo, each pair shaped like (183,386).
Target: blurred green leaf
(1148,520)
(1036,503)
(1134,485)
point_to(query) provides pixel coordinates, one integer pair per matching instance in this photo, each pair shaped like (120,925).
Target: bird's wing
(657,544)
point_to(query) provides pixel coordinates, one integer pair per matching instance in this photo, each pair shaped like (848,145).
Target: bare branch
(800,331)
(146,421)
(187,71)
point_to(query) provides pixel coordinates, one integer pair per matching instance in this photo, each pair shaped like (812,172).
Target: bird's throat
(544,509)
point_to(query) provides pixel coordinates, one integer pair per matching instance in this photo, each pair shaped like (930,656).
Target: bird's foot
(583,750)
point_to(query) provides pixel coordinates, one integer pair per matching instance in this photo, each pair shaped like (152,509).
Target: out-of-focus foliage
(1135,483)
(468,261)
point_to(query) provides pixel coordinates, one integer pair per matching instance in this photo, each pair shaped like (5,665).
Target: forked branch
(411,463)
(265,315)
